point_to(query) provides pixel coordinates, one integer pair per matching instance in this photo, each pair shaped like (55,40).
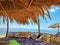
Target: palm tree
(21,10)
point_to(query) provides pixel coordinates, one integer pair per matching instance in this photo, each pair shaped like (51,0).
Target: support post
(7,26)
(38,25)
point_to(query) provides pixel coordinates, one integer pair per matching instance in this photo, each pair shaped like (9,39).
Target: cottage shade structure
(21,10)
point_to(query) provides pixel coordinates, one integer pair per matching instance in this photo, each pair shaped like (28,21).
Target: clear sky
(55,18)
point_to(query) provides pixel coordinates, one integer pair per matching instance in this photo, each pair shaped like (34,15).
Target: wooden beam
(30,3)
(3,8)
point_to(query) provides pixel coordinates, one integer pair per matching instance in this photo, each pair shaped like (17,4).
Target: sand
(2,35)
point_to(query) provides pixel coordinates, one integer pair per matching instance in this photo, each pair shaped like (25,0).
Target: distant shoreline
(29,32)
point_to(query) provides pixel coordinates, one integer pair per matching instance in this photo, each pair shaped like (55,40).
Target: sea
(49,31)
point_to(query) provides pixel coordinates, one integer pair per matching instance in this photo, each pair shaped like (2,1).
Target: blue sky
(55,16)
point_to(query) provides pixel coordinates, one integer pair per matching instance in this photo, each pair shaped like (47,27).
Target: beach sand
(2,35)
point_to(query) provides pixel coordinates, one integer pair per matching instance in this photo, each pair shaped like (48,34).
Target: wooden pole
(7,26)
(38,25)
(30,3)
(3,20)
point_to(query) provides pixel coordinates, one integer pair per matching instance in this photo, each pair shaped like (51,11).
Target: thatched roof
(56,25)
(21,10)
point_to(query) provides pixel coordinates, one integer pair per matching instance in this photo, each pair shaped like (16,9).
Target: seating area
(22,38)
(21,41)
(20,34)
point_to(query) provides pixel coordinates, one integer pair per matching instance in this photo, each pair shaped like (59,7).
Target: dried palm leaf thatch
(21,10)
(13,4)
(21,16)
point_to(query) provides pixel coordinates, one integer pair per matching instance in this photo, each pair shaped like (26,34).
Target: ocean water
(33,30)
(3,30)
